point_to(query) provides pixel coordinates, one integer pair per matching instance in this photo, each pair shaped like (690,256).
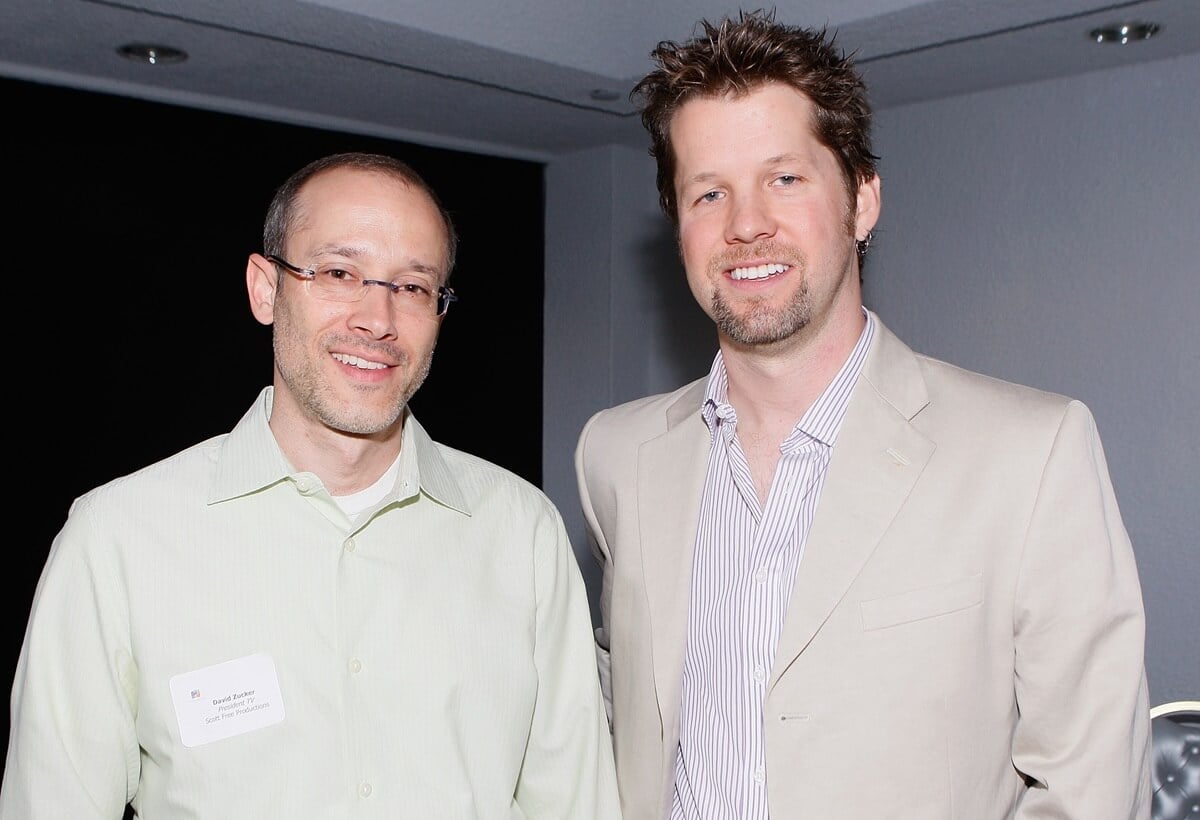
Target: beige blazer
(965,636)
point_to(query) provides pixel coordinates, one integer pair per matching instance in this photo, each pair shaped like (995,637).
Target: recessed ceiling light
(152,54)
(1123,33)
(604,95)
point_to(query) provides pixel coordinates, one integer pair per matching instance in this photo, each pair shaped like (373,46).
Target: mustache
(770,249)
(383,350)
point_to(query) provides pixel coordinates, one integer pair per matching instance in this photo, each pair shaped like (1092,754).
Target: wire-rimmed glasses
(339,284)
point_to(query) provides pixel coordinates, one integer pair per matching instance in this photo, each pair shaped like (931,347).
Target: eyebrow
(706,176)
(698,178)
(778,158)
(422,267)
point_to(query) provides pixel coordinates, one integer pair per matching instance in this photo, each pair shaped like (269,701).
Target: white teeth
(758,271)
(361,364)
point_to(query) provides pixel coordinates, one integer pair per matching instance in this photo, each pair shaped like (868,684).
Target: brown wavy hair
(738,55)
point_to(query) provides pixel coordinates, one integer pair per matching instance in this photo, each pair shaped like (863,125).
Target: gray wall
(620,320)
(1048,234)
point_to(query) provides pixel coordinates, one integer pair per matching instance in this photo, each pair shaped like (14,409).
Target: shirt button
(364,790)
(759,674)
(761,575)
(355,667)
(349,545)
(759,775)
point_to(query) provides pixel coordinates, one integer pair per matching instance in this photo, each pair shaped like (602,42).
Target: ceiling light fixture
(152,54)
(604,95)
(1123,33)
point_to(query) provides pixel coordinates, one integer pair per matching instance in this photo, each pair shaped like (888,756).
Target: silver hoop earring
(863,244)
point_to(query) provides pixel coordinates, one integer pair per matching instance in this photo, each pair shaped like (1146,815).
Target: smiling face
(766,229)
(351,367)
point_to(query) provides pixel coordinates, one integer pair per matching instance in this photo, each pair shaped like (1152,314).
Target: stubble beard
(758,323)
(755,322)
(312,391)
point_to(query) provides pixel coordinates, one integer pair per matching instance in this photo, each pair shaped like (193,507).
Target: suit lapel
(671,470)
(876,461)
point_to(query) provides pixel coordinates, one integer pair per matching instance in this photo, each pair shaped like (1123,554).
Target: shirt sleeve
(1083,736)
(72,748)
(568,769)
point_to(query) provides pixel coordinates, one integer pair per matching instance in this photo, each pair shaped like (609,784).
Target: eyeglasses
(335,284)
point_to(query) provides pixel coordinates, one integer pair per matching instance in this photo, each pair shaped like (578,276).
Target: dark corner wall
(125,265)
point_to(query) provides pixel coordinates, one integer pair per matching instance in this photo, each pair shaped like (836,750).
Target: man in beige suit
(842,579)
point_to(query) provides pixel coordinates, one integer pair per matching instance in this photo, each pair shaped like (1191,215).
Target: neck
(776,384)
(345,462)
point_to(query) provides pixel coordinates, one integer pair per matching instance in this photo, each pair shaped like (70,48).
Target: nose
(374,313)
(750,219)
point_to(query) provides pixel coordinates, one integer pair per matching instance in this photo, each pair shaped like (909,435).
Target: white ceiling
(515,77)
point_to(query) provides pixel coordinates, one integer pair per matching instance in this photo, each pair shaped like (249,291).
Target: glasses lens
(336,285)
(413,297)
(408,296)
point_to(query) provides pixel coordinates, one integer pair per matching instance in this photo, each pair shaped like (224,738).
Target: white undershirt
(354,503)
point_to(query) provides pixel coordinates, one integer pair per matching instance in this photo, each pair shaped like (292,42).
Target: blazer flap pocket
(923,603)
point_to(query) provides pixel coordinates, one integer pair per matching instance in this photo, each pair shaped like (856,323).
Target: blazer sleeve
(1082,738)
(599,547)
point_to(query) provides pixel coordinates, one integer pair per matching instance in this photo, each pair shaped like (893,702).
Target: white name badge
(227,699)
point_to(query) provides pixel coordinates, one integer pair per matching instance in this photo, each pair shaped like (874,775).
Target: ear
(866,208)
(261,281)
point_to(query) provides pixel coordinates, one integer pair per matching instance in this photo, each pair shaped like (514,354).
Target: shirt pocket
(919,604)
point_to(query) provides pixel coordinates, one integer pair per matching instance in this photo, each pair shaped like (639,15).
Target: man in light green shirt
(323,613)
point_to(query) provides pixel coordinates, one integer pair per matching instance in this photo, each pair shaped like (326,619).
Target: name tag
(227,699)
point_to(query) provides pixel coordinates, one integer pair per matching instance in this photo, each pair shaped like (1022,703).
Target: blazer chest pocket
(919,604)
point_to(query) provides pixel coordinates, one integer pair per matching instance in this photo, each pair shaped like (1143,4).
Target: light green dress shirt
(212,637)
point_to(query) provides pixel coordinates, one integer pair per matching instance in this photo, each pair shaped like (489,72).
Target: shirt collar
(823,420)
(249,460)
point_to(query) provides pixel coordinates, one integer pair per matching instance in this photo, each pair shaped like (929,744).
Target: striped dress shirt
(742,576)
